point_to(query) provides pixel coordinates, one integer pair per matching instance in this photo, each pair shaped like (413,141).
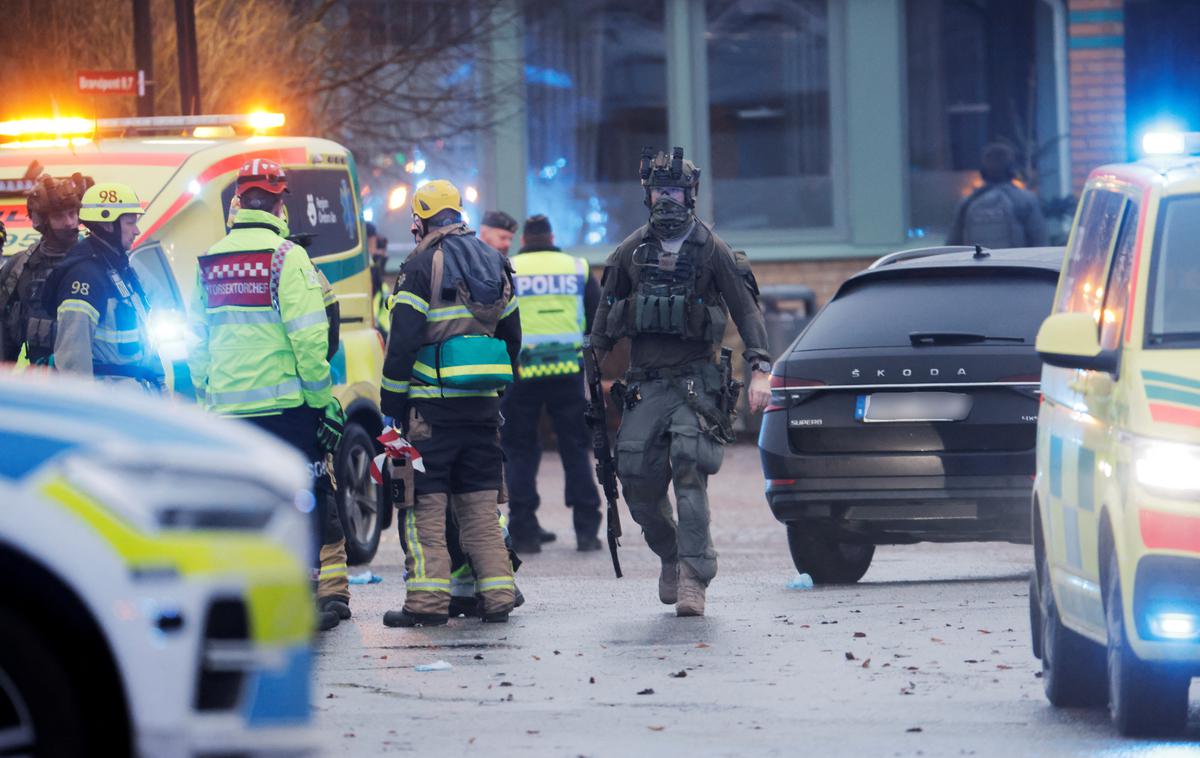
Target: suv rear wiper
(932,338)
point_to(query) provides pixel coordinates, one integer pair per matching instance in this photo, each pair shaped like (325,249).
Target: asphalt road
(928,656)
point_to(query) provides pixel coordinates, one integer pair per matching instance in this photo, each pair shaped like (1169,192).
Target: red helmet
(262,174)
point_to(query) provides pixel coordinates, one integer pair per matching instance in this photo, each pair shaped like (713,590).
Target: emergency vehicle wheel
(1072,665)
(1144,700)
(39,713)
(828,561)
(358,495)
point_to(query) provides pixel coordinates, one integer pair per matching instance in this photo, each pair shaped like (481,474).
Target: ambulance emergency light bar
(257,121)
(1171,143)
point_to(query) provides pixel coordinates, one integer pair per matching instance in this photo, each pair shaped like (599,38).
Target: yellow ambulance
(1115,597)
(183,170)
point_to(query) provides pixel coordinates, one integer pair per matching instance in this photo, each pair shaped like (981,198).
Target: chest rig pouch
(26,316)
(667,297)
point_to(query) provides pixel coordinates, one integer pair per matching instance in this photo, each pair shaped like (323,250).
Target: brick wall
(1097,85)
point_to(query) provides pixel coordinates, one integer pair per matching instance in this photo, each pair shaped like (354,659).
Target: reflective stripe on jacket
(550,287)
(259,323)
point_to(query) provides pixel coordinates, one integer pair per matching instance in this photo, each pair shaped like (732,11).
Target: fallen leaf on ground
(479,656)
(701,644)
(860,634)
(505,684)
(1003,666)
(678,675)
(535,657)
(984,631)
(532,731)
(646,691)
(849,655)
(330,696)
(867,663)
(591,680)
(656,728)
(914,729)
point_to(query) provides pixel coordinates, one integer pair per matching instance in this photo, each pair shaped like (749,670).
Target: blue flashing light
(1174,626)
(368,215)
(1164,143)
(549,77)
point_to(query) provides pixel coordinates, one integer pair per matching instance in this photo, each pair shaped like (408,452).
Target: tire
(1035,616)
(39,709)
(828,561)
(359,499)
(1072,665)
(1144,699)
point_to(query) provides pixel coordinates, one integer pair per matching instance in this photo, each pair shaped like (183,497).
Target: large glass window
(596,92)
(769,114)
(971,80)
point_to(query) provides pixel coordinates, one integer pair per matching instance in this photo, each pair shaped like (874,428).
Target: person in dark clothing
(999,214)
(455,337)
(558,297)
(498,229)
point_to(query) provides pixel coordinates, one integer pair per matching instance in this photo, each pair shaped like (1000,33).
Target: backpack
(990,219)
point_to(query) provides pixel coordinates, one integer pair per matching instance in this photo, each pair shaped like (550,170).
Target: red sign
(111,82)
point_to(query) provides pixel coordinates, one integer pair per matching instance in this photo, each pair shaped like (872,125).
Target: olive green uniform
(673,307)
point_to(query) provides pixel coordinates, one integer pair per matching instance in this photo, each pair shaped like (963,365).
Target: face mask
(669,218)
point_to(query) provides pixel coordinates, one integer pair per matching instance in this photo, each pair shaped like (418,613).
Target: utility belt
(716,408)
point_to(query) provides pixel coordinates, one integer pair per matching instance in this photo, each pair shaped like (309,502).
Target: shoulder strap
(436,274)
(277,259)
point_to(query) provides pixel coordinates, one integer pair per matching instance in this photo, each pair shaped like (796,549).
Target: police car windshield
(1174,318)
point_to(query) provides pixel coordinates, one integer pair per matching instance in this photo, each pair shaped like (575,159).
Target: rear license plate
(897,407)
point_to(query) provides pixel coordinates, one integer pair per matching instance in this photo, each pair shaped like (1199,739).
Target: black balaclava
(111,239)
(669,218)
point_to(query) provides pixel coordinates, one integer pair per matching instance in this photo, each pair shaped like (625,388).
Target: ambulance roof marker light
(1164,143)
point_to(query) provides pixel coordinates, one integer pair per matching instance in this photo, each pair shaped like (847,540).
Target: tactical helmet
(50,195)
(662,170)
(108,202)
(434,197)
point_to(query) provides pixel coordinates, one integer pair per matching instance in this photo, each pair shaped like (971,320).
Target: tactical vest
(25,318)
(550,288)
(671,294)
(469,294)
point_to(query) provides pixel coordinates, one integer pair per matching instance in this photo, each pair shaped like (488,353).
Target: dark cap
(537,226)
(500,220)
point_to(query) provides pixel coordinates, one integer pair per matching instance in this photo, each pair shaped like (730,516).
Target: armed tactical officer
(669,288)
(261,353)
(453,344)
(100,307)
(558,296)
(53,207)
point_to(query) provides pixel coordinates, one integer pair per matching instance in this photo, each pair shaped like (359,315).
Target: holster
(398,482)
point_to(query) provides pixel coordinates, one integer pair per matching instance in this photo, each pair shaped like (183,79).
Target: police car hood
(47,417)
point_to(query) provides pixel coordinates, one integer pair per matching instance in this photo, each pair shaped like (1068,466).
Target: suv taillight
(780,386)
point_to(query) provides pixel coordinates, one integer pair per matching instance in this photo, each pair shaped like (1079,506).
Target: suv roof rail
(925,252)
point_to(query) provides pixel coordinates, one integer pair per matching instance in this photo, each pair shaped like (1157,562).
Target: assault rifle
(606,470)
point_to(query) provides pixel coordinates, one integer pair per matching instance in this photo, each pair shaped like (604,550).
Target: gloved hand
(332,424)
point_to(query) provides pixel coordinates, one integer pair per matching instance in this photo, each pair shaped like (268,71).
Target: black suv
(907,410)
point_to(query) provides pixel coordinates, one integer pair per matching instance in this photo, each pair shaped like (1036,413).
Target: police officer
(261,353)
(454,340)
(53,207)
(557,297)
(101,310)
(498,229)
(669,288)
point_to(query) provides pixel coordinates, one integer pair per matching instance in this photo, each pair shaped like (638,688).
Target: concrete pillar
(687,93)
(504,151)
(877,153)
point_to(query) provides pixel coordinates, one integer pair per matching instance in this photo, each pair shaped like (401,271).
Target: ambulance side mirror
(1072,340)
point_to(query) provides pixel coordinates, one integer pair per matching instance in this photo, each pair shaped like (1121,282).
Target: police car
(1115,599)
(184,169)
(156,595)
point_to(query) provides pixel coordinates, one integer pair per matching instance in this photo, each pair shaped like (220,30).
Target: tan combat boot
(691,593)
(668,583)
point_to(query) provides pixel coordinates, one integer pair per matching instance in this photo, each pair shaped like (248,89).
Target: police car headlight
(1168,467)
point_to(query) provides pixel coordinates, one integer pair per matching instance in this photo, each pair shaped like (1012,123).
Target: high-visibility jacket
(550,288)
(258,318)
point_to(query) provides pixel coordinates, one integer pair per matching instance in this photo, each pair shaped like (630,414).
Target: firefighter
(261,353)
(101,310)
(455,336)
(25,326)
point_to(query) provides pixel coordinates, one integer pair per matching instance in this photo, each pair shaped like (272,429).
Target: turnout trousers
(661,444)
(463,466)
(522,404)
(298,427)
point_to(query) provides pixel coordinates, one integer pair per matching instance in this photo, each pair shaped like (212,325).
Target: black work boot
(464,606)
(544,535)
(338,605)
(403,618)
(498,617)
(326,620)
(587,544)
(525,544)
